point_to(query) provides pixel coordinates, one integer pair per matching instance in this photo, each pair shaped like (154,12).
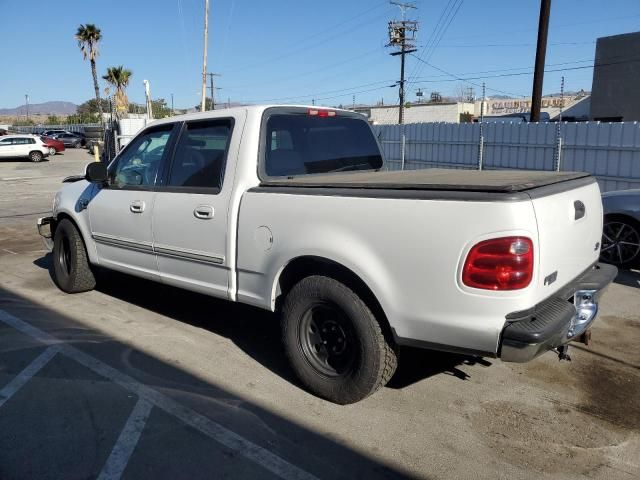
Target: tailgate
(569,234)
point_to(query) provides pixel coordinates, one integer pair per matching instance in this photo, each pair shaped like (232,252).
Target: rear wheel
(72,272)
(36,156)
(334,342)
(52,151)
(620,241)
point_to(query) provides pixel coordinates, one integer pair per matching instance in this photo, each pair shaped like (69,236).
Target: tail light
(499,264)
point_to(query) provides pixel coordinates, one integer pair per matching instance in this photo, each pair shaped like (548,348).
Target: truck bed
(494,181)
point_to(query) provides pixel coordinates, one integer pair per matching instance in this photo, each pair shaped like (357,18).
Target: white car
(262,205)
(23,146)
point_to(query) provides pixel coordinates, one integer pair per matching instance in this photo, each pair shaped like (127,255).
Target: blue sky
(290,52)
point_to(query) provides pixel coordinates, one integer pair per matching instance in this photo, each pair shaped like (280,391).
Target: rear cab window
(301,141)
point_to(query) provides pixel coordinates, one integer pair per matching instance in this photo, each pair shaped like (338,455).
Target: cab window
(139,164)
(200,155)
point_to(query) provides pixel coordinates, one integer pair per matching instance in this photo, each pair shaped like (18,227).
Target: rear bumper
(557,320)
(44,230)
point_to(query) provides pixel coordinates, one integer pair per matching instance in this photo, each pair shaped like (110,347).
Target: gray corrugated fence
(611,151)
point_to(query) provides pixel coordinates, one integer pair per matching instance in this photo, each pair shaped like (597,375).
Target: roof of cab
(226,112)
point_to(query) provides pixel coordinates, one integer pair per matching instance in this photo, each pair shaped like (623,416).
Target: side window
(201,154)
(32,140)
(6,141)
(138,164)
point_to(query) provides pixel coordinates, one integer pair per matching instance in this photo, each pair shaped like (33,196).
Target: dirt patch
(550,438)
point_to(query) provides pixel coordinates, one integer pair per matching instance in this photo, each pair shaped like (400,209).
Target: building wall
(431,112)
(550,105)
(615,93)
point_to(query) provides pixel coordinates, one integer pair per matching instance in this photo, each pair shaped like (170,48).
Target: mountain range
(46,108)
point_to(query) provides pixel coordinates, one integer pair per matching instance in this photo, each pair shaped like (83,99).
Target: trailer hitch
(563,352)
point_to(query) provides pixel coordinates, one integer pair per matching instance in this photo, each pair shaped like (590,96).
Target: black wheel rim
(327,340)
(620,243)
(64,255)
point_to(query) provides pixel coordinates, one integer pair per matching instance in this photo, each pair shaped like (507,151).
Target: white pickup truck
(291,209)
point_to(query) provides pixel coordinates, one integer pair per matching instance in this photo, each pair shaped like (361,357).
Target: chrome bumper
(557,320)
(44,230)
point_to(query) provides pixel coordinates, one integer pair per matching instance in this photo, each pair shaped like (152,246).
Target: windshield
(300,144)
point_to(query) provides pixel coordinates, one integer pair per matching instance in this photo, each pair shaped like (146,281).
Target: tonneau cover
(499,181)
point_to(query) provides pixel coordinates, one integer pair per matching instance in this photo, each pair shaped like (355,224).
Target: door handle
(137,206)
(204,212)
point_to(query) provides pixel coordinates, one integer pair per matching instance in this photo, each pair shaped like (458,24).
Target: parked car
(53,133)
(621,230)
(55,146)
(290,209)
(69,139)
(23,146)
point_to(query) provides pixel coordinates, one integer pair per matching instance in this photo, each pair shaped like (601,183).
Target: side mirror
(96,172)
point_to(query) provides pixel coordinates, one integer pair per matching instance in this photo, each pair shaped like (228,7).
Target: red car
(54,145)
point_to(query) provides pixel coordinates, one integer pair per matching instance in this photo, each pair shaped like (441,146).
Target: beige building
(453,112)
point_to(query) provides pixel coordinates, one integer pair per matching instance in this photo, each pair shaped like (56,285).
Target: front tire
(72,272)
(334,342)
(36,156)
(52,151)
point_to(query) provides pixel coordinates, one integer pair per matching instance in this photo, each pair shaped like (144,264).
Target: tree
(88,37)
(90,107)
(119,77)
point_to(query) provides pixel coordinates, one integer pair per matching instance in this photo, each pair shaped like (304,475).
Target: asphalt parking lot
(140,380)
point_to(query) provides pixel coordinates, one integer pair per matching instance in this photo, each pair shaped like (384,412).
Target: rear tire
(334,342)
(36,156)
(72,272)
(52,151)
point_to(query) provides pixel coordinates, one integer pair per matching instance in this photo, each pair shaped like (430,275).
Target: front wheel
(52,151)
(72,272)
(334,342)
(36,156)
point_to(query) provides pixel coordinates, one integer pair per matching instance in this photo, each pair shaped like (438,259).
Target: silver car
(621,231)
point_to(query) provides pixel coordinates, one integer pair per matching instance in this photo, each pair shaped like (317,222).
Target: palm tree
(119,77)
(88,37)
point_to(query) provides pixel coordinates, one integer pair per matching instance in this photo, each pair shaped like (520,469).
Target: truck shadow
(255,331)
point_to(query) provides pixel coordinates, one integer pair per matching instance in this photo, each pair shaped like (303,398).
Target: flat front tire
(72,272)
(334,342)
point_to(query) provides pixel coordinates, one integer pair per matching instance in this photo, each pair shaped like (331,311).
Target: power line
(301,47)
(429,53)
(350,91)
(554,26)
(515,74)
(432,37)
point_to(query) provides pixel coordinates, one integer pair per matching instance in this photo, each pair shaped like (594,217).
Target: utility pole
(481,143)
(172,104)
(204,58)
(212,89)
(402,36)
(26,102)
(541,50)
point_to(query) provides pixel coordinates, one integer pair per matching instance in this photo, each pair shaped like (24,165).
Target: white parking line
(25,375)
(9,251)
(127,441)
(263,457)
